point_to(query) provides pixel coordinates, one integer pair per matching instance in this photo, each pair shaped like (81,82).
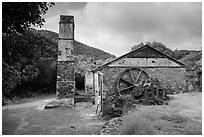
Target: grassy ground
(183,116)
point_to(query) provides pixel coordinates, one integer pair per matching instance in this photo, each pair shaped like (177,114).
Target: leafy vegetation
(19,16)
(29,62)
(26,58)
(22,49)
(157,45)
(192,58)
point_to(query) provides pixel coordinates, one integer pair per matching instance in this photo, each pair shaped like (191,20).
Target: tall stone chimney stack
(65,87)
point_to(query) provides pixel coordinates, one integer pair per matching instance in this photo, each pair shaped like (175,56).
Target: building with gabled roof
(145,58)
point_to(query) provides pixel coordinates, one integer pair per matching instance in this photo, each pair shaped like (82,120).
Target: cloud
(116,27)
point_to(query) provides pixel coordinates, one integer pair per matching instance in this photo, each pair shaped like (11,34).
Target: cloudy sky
(116,27)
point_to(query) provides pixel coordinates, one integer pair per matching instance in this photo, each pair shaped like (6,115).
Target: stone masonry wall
(65,63)
(174,77)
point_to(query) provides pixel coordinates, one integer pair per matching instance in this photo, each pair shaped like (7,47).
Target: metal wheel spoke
(126,88)
(132,76)
(138,76)
(123,80)
(129,80)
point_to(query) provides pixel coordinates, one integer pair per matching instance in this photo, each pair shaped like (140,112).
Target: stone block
(65,71)
(65,89)
(67,102)
(65,50)
(66,31)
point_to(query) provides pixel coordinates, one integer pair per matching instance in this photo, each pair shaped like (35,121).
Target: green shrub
(112,107)
(10,79)
(115,105)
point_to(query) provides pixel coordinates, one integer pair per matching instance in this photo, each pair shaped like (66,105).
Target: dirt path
(30,118)
(183,116)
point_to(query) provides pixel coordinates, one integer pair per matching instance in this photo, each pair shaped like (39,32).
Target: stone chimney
(65,88)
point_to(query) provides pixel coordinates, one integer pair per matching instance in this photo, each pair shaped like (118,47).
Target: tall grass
(135,125)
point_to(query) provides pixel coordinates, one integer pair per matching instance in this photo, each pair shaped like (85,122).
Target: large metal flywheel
(131,80)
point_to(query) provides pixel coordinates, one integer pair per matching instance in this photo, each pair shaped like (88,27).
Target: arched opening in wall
(80,81)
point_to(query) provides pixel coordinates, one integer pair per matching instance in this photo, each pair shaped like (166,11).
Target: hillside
(79,48)
(178,54)
(192,59)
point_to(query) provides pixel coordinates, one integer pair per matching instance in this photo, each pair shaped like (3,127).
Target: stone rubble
(59,103)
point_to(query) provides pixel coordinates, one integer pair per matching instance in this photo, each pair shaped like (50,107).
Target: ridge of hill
(189,57)
(179,54)
(192,59)
(79,47)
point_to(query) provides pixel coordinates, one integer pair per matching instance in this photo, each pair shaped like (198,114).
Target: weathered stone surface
(173,77)
(65,86)
(65,89)
(66,30)
(89,82)
(66,19)
(169,77)
(65,50)
(67,102)
(145,62)
(110,76)
(65,71)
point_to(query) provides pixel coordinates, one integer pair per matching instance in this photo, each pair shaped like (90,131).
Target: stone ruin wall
(89,83)
(110,76)
(175,77)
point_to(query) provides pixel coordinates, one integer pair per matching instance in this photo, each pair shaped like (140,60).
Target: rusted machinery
(136,82)
(130,79)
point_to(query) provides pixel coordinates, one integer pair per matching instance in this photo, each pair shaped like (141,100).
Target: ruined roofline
(137,49)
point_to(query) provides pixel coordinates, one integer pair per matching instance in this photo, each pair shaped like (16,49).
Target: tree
(157,45)
(19,16)
(137,46)
(22,48)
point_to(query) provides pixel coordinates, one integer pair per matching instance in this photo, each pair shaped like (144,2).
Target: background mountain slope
(79,48)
